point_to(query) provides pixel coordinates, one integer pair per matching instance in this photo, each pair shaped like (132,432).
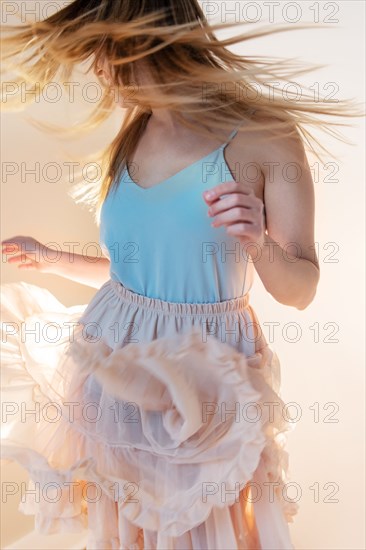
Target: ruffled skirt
(152,424)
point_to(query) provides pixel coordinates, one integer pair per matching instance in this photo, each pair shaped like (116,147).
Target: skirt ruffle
(175,431)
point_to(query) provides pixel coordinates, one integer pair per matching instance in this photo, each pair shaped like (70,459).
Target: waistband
(178,308)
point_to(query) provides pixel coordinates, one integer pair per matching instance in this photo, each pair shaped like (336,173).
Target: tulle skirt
(152,424)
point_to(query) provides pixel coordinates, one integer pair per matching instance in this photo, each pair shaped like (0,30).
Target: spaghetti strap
(233,134)
(251,111)
(235,131)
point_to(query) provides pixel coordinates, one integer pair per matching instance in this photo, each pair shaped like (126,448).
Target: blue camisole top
(160,241)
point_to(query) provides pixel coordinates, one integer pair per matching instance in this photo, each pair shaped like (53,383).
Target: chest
(149,165)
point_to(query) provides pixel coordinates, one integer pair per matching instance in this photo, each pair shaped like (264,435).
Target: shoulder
(267,144)
(266,155)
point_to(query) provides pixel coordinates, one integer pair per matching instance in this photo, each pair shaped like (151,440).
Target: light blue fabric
(161,243)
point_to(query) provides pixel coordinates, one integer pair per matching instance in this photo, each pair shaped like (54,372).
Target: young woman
(169,429)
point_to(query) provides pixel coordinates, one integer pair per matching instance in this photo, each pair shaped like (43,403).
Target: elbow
(297,302)
(303,298)
(304,304)
(308,298)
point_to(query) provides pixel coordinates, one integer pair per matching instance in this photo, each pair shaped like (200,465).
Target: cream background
(312,372)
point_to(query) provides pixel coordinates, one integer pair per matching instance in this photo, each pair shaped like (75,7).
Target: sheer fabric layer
(157,425)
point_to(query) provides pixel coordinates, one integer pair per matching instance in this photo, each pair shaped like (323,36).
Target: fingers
(17,240)
(17,258)
(27,266)
(13,246)
(233,215)
(9,247)
(23,261)
(243,207)
(227,187)
(239,210)
(22,251)
(13,253)
(20,244)
(234,200)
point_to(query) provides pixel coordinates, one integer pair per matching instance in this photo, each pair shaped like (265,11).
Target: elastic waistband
(178,308)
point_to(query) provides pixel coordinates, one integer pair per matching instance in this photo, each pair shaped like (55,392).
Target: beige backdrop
(320,348)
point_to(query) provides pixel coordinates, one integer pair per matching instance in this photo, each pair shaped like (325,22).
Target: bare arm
(284,257)
(28,253)
(290,279)
(288,265)
(87,270)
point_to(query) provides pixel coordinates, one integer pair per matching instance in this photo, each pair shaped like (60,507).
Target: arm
(289,272)
(87,270)
(30,254)
(292,280)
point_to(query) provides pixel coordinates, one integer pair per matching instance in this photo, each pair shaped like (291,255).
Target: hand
(27,252)
(240,211)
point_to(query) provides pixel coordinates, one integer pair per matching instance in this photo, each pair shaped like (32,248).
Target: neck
(165,119)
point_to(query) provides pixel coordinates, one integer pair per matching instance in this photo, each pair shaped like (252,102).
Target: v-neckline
(143,189)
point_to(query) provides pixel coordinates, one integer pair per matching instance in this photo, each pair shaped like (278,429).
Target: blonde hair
(194,75)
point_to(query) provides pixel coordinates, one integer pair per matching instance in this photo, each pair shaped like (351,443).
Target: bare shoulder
(254,155)
(266,145)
